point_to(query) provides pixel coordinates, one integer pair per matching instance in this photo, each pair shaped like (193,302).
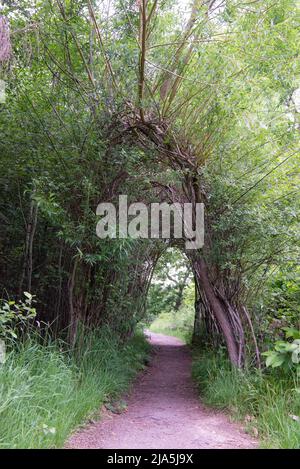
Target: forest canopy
(161,100)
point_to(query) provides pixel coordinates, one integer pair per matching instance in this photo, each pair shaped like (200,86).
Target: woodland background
(162,101)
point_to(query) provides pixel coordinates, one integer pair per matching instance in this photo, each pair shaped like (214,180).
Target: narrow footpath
(164,411)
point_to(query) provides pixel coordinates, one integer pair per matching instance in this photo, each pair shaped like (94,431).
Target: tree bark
(26,273)
(73,317)
(219,311)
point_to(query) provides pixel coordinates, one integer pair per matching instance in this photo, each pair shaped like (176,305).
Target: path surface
(164,411)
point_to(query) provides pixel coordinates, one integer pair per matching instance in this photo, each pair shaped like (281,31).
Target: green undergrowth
(46,390)
(268,402)
(178,324)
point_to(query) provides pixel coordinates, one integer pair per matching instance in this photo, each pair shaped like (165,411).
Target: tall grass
(267,402)
(46,391)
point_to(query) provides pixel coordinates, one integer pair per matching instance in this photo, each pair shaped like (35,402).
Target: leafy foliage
(285,353)
(150,102)
(15,315)
(223,80)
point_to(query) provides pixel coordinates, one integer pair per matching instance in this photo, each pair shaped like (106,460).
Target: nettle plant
(14,315)
(286,353)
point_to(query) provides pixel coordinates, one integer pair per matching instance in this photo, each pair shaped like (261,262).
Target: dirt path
(164,411)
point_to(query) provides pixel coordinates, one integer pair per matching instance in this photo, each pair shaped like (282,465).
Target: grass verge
(267,402)
(177,324)
(46,391)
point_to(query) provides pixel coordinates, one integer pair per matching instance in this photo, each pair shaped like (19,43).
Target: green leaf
(275,360)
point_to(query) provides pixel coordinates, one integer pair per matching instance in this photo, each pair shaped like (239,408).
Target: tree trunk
(199,319)
(219,311)
(73,317)
(28,252)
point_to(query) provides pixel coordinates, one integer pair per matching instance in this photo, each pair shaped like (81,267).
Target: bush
(14,316)
(286,353)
